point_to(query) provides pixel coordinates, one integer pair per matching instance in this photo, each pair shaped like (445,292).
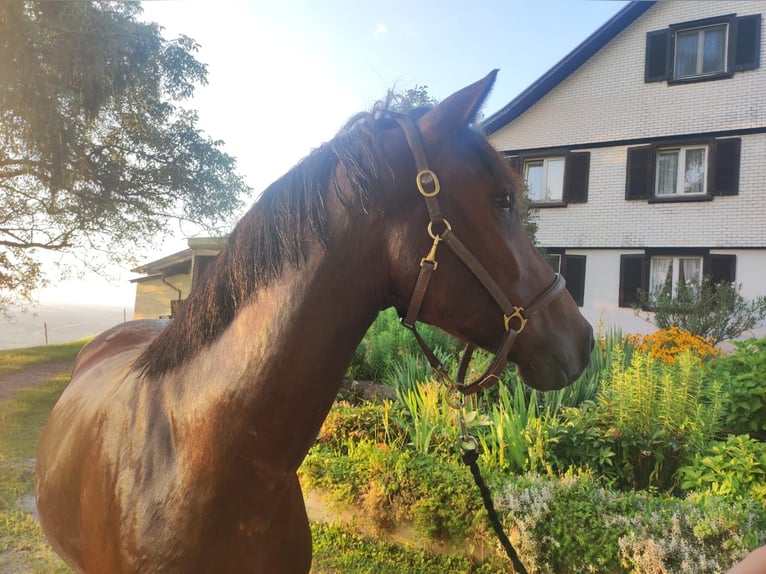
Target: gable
(607,99)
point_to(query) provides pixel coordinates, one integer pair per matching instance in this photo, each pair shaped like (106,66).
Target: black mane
(271,234)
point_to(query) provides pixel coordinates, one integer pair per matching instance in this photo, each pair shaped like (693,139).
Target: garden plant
(653,461)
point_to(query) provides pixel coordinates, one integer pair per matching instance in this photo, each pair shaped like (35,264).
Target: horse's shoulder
(131,336)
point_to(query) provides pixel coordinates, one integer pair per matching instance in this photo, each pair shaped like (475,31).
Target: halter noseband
(514,318)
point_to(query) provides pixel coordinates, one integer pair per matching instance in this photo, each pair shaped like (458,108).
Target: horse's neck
(279,364)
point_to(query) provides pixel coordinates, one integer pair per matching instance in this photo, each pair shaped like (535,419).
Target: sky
(285,75)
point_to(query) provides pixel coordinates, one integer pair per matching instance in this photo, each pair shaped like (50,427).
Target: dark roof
(566,66)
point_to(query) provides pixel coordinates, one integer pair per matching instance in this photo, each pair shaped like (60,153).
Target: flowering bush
(667,344)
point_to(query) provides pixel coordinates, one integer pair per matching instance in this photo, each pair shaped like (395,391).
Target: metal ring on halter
(465,440)
(431,229)
(419,179)
(518,313)
(454,403)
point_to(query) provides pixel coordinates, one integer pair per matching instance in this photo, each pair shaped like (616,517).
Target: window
(545,179)
(669,272)
(572,268)
(683,171)
(554,260)
(680,171)
(706,49)
(700,51)
(669,268)
(554,178)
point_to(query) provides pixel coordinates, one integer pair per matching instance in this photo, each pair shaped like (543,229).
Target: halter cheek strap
(514,318)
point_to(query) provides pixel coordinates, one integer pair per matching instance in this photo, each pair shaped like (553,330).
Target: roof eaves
(566,66)
(160,264)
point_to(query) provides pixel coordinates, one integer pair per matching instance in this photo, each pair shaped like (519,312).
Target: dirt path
(34,375)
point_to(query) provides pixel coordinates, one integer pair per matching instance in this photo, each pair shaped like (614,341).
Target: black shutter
(632,271)
(515,162)
(657,67)
(746,43)
(639,183)
(573,270)
(725,164)
(721,268)
(576,175)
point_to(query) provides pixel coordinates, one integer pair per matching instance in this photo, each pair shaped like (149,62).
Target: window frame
(742,48)
(679,192)
(635,269)
(699,30)
(573,268)
(545,161)
(676,269)
(722,169)
(576,173)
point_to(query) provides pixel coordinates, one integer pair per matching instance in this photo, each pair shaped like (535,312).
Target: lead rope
(469,446)
(470,456)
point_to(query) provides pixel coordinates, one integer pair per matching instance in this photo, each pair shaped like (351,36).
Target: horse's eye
(504,201)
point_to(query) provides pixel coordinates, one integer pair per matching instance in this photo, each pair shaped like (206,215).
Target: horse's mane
(271,235)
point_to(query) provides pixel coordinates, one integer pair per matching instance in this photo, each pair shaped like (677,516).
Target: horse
(175,446)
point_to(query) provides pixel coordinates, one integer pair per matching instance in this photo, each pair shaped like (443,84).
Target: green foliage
(712,310)
(734,468)
(506,442)
(386,344)
(22,544)
(371,422)
(413,98)
(394,485)
(432,421)
(646,420)
(337,550)
(96,153)
(742,377)
(572,525)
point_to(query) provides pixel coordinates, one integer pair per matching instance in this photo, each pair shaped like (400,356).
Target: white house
(645,151)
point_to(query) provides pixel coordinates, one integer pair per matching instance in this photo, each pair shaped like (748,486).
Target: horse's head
(484,263)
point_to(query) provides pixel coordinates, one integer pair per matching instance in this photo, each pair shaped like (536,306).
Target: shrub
(734,468)
(666,344)
(574,525)
(646,419)
(373,422)
(386,342)
(712,310)
(742,377)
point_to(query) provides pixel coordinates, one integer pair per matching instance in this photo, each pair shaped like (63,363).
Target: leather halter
(514,317)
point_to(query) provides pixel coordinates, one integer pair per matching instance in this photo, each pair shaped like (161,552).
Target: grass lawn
(13,360)
(23,549)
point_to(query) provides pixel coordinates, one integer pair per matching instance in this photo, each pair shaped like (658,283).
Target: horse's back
(73,436)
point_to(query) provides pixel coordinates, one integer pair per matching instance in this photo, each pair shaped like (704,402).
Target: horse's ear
(457,111)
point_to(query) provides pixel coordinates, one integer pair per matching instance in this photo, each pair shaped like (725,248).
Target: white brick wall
(608,220)
(606,99)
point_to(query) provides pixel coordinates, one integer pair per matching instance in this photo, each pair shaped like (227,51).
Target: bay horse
(175,446)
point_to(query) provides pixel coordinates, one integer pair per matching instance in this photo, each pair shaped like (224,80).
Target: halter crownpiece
(514,317)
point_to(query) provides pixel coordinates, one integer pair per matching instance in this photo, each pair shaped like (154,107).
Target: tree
(96,154)
(712,310)
(412,98)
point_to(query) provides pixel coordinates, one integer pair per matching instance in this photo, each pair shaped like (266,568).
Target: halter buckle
(518,313)
(428,178)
